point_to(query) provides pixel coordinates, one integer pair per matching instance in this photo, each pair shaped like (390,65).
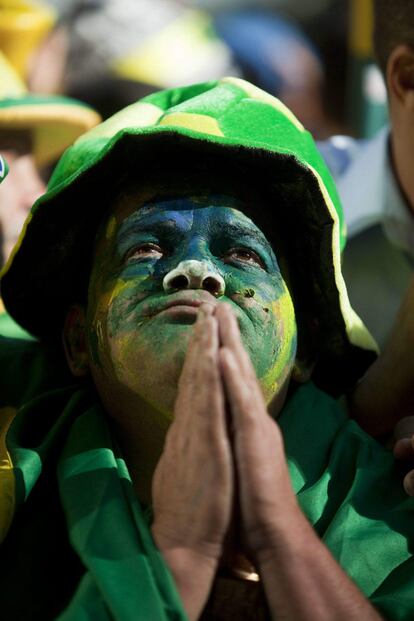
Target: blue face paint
(137,340)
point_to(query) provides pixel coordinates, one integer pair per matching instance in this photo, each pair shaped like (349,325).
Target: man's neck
(141,443)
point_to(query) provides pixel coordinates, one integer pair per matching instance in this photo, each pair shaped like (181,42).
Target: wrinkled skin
(134,347)
(188,407)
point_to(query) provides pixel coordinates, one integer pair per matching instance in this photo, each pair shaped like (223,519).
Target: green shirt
(79,547)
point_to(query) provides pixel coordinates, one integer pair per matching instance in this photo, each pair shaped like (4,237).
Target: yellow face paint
(137,349)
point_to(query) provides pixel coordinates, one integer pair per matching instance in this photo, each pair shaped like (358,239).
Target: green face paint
(137,344)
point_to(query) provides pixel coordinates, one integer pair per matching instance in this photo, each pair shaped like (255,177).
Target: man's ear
(74,341)
(400,75)
(307,352)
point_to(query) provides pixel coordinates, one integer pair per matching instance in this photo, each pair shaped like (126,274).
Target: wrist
(283,538)
(169,541)
(193,574)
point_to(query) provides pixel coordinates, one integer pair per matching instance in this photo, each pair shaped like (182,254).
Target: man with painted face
(188,249)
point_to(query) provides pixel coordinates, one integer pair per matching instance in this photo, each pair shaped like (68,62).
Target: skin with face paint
(140,313)
(187,405)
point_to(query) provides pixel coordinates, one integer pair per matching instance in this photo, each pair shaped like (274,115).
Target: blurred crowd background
(316,56)
(62,60)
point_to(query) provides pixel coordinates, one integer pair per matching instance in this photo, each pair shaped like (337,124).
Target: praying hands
(223,465)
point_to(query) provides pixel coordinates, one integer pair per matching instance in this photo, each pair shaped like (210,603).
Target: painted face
(153,266)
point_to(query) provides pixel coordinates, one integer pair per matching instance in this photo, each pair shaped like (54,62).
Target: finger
(194,343)
(189,380)
(245,397)
(201,392)
(403,449)
(230,337)
(409,483)
(210,386)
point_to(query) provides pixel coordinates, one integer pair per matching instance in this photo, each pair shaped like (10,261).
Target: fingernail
(409,483)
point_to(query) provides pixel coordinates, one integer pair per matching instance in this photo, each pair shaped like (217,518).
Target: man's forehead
(141,199)
(155,207)
(184,211)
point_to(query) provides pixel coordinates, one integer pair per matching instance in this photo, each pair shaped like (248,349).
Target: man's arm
(194,495)
(193,481)
(302,580)
(386,392)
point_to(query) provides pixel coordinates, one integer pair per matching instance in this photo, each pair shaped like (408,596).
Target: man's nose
(193,274)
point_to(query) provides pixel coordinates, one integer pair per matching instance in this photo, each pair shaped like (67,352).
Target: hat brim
(51,267)
(55,122)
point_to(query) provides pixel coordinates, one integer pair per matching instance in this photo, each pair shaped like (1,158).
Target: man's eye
(144,251)
(245,255)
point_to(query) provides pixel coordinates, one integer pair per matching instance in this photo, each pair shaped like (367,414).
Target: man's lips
(184,302)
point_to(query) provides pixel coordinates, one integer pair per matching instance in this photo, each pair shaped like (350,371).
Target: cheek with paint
(268,328)
(132,352)
(111,298)
(113,295)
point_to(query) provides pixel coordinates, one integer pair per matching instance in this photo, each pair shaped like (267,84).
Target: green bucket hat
(231,124)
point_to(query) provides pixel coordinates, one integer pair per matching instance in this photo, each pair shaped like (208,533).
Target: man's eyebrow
(147,226)
(237,229)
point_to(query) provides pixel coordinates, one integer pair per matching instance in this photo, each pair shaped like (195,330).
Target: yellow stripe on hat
(141,114)
(198,122)
(256,93)
(356,331)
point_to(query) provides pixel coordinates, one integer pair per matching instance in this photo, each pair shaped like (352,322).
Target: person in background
(375,181)
(34,131)
(383,401)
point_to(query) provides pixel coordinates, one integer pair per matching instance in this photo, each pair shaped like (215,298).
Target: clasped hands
(223,462)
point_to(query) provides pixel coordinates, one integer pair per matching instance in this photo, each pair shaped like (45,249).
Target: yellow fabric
(141,114)
(198,122)
(7,489)
(55,126)
(23,25)
(360,30)
(355,329)
(174,54)
(11,85)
